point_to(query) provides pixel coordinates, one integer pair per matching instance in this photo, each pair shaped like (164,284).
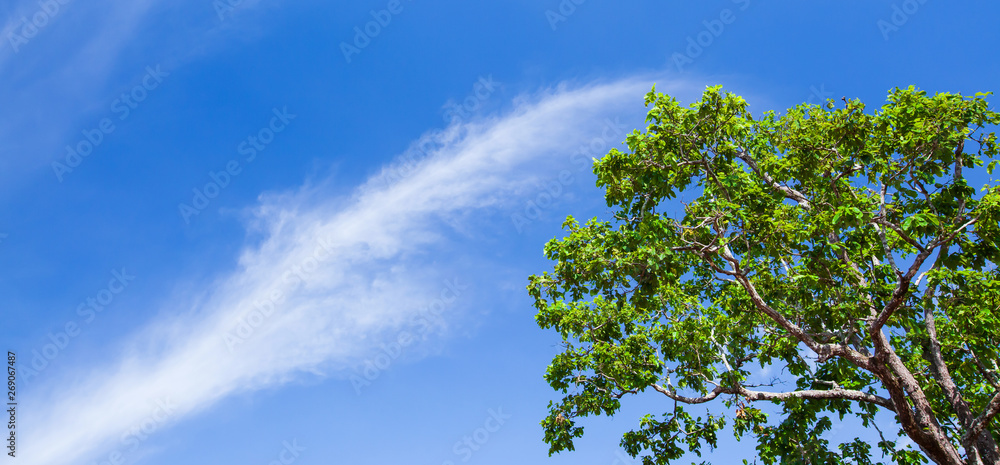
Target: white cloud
(365,278)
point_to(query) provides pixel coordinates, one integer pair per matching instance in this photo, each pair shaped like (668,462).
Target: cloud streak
(331,279)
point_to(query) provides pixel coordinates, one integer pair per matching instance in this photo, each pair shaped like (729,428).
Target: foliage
(845,250)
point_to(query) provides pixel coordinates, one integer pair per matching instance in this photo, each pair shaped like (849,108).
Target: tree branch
(824,351)
(991,411)
(899,232)
(689,400)
(843,394)
(986,446)
(788,191)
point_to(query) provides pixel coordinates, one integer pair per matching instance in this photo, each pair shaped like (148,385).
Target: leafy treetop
(844,249)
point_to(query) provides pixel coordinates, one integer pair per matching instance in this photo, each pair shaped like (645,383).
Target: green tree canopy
(844,249)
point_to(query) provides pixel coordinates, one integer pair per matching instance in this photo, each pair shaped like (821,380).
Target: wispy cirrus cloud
(63,64)
(57,62)
(332,278)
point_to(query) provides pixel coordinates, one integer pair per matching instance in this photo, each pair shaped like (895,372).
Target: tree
(845,250)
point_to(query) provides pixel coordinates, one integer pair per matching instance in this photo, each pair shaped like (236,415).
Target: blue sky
(271,238)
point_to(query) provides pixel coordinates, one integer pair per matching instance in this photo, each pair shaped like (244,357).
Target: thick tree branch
(824,351)
(918,420)
(689,400)
(842,394)
(845,394)
(987,448)
(985,444)
(979,424)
